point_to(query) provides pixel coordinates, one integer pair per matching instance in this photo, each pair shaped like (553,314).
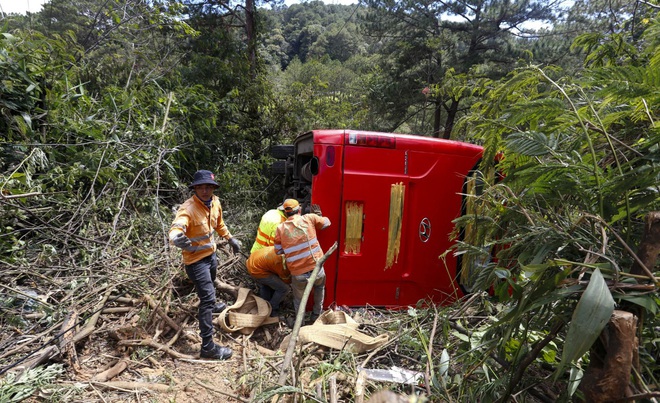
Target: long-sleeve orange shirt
(296,239)
(265,262)
(198,222)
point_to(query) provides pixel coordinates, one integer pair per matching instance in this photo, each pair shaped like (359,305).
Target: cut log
(611,359)
(226,287)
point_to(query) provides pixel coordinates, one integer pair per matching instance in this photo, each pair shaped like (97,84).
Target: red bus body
(340,168)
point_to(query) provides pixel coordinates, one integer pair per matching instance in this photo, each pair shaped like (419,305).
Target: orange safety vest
(197,222)
(267,226)
(265,262)
(296,239)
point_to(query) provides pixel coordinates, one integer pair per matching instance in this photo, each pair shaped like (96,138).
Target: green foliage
(591,314)
(580,173)
(426,43)
(107,109)
(311,30)
(29,64)
(17,389)
(324,93)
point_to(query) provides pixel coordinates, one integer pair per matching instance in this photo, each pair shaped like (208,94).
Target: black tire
(281,152)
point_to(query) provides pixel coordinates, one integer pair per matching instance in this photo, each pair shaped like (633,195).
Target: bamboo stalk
(301,313)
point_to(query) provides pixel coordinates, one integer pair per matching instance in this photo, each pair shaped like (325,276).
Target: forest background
(107,108)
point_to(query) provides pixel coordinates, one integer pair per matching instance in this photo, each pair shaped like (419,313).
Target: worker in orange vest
(296,239)
(268,270)
(192,231)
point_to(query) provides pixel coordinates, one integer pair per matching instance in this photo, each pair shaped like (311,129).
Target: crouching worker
(192,231)
(268,270)
(267,226)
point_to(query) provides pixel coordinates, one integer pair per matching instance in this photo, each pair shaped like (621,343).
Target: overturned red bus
(391,199)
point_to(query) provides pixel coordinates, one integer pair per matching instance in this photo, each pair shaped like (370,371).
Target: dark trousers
(203,273)
(273,290)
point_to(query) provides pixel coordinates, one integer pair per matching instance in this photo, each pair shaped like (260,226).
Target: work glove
(235,245)
(180,240)
(316,209)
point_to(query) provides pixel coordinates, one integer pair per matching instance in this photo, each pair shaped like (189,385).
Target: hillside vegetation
(108,108)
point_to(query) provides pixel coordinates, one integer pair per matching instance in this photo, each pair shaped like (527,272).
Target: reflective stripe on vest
(304,245)
(297,240)
(264,239)
(303,255)
(267,227)
(198,222)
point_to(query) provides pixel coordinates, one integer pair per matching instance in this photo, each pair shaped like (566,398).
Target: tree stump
(611,359)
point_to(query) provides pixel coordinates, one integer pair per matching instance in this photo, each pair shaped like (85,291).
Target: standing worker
(192,231)
(267,226)
(268,270)
(296,239)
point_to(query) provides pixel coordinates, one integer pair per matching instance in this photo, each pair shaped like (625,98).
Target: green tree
(580,175)
(313,30)
(327,93)
(428,43)
(25,65)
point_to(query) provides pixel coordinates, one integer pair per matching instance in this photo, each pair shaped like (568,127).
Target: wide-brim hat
(203,177)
